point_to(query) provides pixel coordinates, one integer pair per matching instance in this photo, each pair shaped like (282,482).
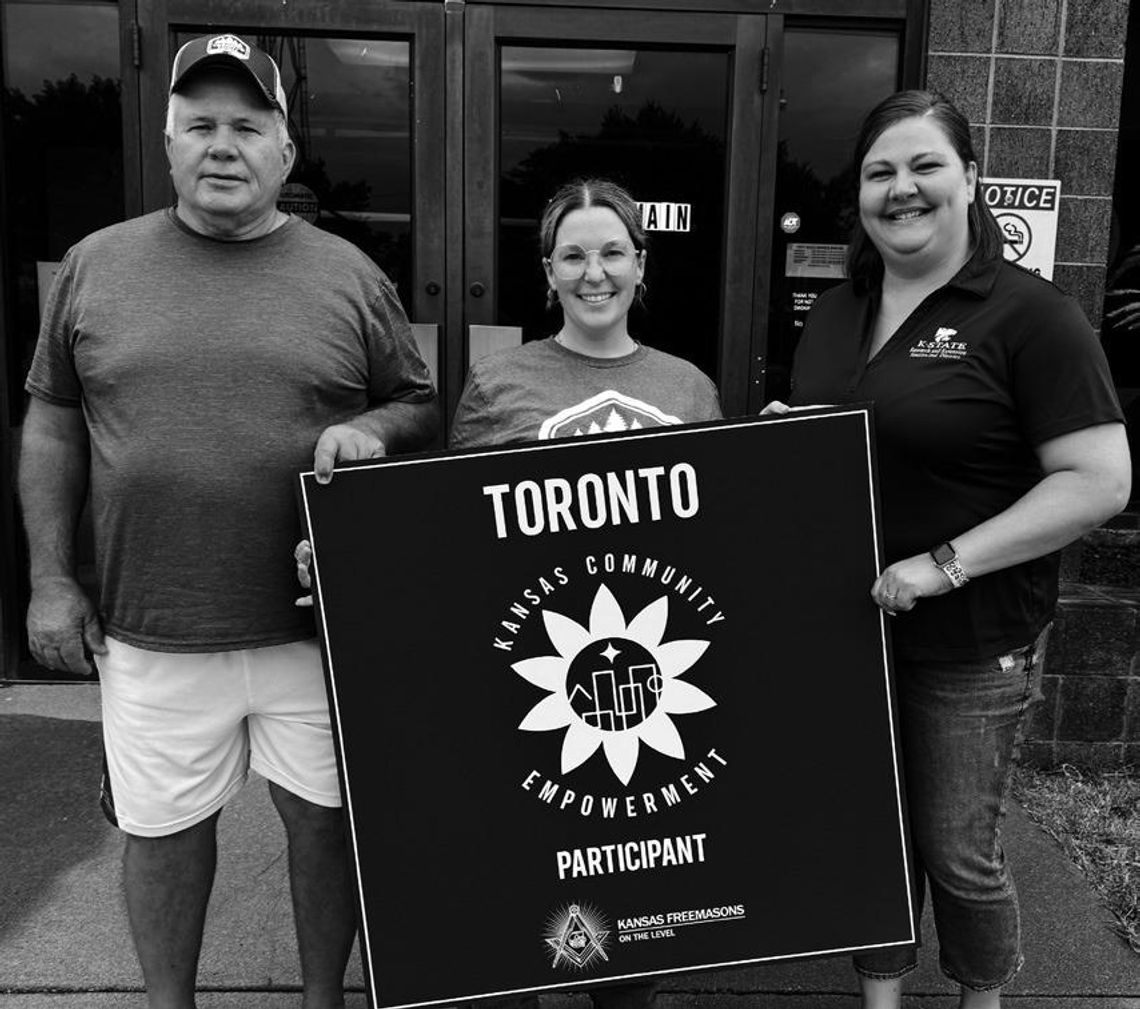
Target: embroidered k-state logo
(943,346)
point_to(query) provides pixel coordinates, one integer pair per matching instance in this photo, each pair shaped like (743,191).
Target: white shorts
(181,730)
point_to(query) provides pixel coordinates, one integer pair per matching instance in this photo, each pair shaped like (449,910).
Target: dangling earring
(640,291)
(551,298)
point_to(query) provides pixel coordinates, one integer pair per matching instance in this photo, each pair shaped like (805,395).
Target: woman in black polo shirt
(999,441)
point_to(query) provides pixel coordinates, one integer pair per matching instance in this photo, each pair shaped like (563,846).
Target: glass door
(672,107)
(363,83)
(814,206)
(67,130)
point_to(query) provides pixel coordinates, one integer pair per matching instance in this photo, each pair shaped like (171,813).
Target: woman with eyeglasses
(591,376)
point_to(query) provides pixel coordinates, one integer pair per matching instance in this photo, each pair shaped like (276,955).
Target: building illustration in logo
(578,936)
(607,412)
(613,685)
(618,697)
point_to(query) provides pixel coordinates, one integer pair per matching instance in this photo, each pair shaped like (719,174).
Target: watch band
(945,558)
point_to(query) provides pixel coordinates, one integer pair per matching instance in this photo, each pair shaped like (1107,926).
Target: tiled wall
(1040,81)
(1089,714)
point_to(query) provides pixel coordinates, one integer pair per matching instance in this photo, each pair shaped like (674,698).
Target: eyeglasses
(569,262)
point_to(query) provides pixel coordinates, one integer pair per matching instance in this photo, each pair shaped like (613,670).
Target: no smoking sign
(1026,212)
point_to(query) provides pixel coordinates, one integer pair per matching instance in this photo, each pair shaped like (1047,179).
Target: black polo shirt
(988,367)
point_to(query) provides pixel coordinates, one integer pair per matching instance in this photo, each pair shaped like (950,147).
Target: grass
(1095,818)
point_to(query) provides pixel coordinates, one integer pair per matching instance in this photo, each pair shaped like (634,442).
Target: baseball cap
(231,52)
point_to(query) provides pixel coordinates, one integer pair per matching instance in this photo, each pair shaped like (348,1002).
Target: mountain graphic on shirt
(614,422)
(606,413)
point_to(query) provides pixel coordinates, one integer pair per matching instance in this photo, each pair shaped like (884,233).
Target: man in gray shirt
(188,363)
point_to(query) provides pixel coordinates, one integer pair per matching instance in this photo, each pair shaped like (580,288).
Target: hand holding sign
(1124,316)
(303,555)
(343,443)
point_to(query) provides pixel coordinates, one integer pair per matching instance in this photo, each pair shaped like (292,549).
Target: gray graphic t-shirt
(542,390)
(206,370)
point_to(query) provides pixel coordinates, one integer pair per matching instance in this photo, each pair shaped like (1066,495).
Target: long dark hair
(864,264)
(590,193)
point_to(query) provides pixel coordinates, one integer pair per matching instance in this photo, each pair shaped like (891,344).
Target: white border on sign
(680,432)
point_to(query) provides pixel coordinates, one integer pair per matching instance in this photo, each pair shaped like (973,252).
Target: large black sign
(611,707)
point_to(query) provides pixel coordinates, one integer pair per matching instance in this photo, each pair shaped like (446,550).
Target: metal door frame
(456,110)
(744,35)
(454,70)
(910,17)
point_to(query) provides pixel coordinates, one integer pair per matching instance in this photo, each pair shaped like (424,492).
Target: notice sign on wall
(612,707)
(1026,211)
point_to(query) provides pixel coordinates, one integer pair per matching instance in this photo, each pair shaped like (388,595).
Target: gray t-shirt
(543,390)
(206,371)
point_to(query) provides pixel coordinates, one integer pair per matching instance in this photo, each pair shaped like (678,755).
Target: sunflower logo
(613,685)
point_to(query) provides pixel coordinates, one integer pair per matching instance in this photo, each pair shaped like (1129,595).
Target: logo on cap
(230,45)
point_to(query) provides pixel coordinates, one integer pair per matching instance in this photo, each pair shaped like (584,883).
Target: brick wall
(1090,712)
(1040,81)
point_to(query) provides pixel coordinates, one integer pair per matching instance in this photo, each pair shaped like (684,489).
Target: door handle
(477,290)
(432,288)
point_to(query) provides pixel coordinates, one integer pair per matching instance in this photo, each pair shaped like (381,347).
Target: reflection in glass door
(815,185)
(63,150)
(652,102)
(64,172)
(653,120)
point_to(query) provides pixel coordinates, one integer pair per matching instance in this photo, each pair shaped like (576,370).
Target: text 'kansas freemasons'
(594,500)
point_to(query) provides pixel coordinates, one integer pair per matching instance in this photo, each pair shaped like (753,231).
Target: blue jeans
(960,724)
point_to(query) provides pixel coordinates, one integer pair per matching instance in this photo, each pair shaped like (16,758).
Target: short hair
(594,192)
(864,264)
(278,120)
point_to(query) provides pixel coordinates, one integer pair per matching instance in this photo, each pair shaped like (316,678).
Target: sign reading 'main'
(666,216)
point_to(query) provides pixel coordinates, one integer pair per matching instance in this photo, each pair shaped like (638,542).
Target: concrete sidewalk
(64,942)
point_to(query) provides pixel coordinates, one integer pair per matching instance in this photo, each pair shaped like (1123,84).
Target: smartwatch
(945,558)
